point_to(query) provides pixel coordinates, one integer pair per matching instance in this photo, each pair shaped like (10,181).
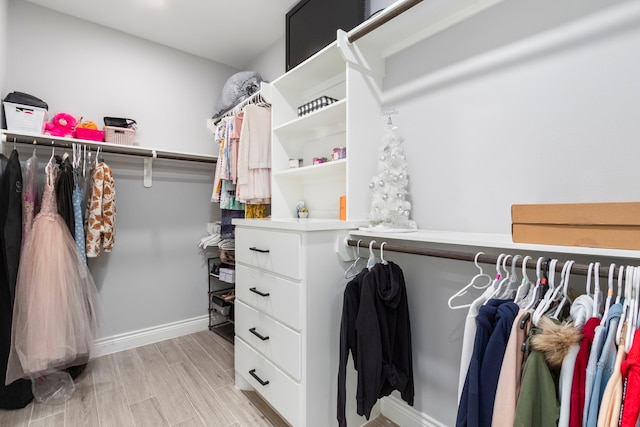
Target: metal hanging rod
(9,137)
(382,18)
(579,269)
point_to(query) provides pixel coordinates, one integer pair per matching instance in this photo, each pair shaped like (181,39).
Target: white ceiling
(232,32)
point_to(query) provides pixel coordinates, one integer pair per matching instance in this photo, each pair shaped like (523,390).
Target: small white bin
(24,118)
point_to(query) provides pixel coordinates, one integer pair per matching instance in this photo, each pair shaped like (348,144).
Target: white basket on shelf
(123,136)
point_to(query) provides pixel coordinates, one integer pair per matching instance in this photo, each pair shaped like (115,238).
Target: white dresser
(287,315)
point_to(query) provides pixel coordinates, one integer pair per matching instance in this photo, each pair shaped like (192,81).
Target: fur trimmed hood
(554,340)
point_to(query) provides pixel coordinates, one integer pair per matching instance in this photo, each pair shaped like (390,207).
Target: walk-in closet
(428,219)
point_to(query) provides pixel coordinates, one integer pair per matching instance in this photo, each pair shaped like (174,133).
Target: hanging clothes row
(242,180)
(54,315)
(538,353)
(375,328)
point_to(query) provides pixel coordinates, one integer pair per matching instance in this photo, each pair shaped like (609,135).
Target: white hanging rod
(9,137)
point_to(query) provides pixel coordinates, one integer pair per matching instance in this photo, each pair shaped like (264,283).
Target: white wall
(155,274)
(271,63)
(493,116)
(92,71)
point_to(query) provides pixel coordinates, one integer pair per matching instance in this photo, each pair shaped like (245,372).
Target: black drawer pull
(253,331)
(262,251)
(253,374)
(262,294)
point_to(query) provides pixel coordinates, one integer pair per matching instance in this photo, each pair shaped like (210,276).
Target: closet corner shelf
(8,137)
(489,240)
(295,224)
(337,169)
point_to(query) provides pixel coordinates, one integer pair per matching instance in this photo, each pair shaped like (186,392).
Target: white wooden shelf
(9,137)
(319,68)
(334,170)
(326,121)
(488,240)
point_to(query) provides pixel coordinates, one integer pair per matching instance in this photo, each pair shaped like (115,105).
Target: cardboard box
(597,225)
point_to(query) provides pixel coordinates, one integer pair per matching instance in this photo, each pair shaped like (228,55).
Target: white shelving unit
(352,73)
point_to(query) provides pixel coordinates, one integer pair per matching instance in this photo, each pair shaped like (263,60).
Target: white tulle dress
(53,315)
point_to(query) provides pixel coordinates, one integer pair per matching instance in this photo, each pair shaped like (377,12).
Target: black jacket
(375,327)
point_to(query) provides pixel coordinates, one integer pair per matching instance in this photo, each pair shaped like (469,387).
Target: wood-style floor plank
(171,395)
(113,410)
(133,377)
(41,410)
(171,351)
(210,369)
(147,413)
(210,408)
(223,342)
(56,420)
(82,413)
(191,422)
(16,417)
(264,407)
(214,349)
(238,403)
(105,373)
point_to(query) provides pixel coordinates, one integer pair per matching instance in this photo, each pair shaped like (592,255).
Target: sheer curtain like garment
(53,317)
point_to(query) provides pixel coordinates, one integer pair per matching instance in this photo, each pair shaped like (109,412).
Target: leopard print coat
(101,211)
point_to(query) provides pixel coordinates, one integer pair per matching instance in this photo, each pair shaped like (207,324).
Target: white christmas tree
(390,207)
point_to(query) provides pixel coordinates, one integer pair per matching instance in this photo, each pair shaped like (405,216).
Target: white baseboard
(404,415)
(126,341)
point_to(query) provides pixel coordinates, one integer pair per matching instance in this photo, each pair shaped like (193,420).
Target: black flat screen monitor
(312,24)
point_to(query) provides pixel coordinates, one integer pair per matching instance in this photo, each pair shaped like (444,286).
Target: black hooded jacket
(382,333)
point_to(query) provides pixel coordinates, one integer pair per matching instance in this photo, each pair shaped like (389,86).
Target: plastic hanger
(565,287)
(620,280)
(472,283)
(382,260)
(612,269)
(545,302)
(512,285)
(372,258)
(633,310)
(535,289)
(596,290)
(630,271)
(525,283)
(503,273)
(353,266)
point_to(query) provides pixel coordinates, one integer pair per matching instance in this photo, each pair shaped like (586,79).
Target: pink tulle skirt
(53,314)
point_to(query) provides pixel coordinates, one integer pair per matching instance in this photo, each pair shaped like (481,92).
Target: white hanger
(382,260)
(633,310)
(500,286)
(612,269)
(472,282)
(627,299)
(525,284)
(565,287)
(532,299)
(495,284)
(354,265)
(596,290)
(545,303)
(512,285)
(620,279)
(372,258)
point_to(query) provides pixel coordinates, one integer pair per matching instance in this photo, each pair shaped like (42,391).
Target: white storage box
(24,118)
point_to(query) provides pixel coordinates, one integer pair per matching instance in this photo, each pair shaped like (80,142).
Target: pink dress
(53,315)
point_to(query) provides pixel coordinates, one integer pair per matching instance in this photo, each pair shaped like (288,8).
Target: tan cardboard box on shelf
(598,225)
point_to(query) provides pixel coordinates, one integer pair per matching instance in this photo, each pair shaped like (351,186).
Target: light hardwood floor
(183,382)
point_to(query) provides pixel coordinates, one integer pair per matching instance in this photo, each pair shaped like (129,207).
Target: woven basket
(121,136)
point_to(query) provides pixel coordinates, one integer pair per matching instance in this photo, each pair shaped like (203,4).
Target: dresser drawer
(275,341)
(274,251)
(281,392)
(275,296)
